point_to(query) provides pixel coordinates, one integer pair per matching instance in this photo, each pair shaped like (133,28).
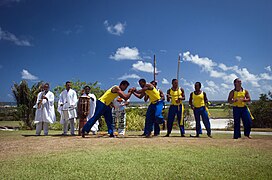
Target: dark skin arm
(141,93)
(182,97)
(168,96)
(162,95)
(191,101)
(117,90)
(205,98)
(146,98)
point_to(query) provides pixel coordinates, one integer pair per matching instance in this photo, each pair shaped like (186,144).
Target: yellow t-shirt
(108,96)
(242,95)
(198,100)
(154,95)
(175,95)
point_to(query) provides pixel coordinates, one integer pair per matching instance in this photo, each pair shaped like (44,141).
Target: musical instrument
(83,111)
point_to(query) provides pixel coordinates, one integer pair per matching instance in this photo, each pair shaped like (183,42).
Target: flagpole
(154,68)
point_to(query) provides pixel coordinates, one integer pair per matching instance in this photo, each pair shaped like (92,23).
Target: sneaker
(210,136)
(167,135)
(183,135)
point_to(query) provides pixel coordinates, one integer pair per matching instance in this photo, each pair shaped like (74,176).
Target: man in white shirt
(119,115)
(67,108)
(45,112)
(92,106)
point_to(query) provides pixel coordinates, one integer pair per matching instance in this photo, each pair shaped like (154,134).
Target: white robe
(46,113)
(92,110)
(69,101)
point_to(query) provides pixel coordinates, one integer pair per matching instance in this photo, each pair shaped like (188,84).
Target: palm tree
(26,99)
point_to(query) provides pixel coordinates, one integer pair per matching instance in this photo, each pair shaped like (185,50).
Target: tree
(262,111)
(78,87)
(25,98)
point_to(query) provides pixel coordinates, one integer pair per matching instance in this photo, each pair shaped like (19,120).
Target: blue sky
(107,41)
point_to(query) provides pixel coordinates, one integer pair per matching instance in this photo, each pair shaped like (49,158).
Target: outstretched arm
(122,94)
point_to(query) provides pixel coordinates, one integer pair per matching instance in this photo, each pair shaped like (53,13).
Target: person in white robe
(67,108)
(87,89)
(119,115)
(45,112)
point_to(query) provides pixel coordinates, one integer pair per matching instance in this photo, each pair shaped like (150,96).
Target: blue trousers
(100,109)
(154,117)
(173,111)
(205,118)
(238,113)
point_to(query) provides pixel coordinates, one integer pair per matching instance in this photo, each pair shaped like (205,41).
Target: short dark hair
(154,82)
(67,82)
(142,80)
(235,80)
(46,84)
(173,80)
(124,82)
(198,83)
(87,87)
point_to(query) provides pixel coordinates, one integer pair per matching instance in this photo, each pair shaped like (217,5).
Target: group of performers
(112,105)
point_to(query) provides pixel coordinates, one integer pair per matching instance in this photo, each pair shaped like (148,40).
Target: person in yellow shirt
(154,112)
(156,126)
(238,97)
(198,100)
(176,95)
(103,106)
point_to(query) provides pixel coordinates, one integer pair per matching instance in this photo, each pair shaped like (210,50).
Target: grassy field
(10,123)
(23,156)
(217,113)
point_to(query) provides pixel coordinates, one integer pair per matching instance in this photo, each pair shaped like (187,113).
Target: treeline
(26,97)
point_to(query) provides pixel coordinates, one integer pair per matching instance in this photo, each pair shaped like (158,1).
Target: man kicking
(103,106)
(154,111)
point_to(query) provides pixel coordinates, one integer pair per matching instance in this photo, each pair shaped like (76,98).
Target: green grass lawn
(55,157)
(217,113)
(10,123)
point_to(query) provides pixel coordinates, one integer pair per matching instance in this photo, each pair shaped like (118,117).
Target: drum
(83,111)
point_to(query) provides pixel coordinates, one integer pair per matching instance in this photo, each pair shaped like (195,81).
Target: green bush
(135,120)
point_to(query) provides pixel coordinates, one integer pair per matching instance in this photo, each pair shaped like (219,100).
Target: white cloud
(165,81)
(144,66)
(238,58)
(248,77)
(27,75)
(189,84)
(226,86)
(268,68)
(5,35)
(265,76)
(116,29)
(205,63)
(126,53)
(129,76)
